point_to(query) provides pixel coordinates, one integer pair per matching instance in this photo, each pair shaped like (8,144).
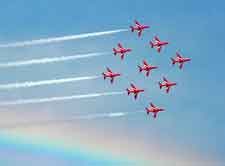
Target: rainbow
(73,153)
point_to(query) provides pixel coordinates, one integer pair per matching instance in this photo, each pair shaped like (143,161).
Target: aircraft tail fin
(128,91)
(151,44)
(104,76)
(114,51)
(147,110)
(173,61)
(140,68)
(160,85)
(132,28)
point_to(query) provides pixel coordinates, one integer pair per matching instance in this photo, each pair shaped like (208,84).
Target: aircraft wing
(122,56)
(155,114)
(120,45)
(159,49)
(147,74)
(137,23)
(156,38)
(167,90)
(139,33)
(181,65)
(109,70)
(145,62)
(152,105)
(112,79)
(178,55)
(133,86)
(164,79)
(135,96)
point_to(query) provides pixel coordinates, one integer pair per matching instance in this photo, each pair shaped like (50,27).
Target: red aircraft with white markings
(138,28)
(154,110)
(146,68)
(134,90)
(121,50)
(179,59)
(158,44)
(166,84)
(110,75)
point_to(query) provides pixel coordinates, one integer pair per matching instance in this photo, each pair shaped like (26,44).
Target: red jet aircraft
(110,74)
(154,110)
(138,28)
(146,67)
(134,90)
(179,59)
(167,84)
(121,50)
(158,43)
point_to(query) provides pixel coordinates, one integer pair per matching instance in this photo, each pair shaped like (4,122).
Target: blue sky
(194,123)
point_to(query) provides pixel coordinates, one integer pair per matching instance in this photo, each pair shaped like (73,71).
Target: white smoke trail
(67,120)
(94,116)
(60,39)
(61,98)
(45,82)
(50,60)
(102,115)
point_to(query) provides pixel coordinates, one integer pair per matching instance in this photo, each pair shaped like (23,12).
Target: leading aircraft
(167,84)
(146,67)
(138,27)
(158,44)
(121,50)
(179,59)
(110,75)
(134,90)
(154,110)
